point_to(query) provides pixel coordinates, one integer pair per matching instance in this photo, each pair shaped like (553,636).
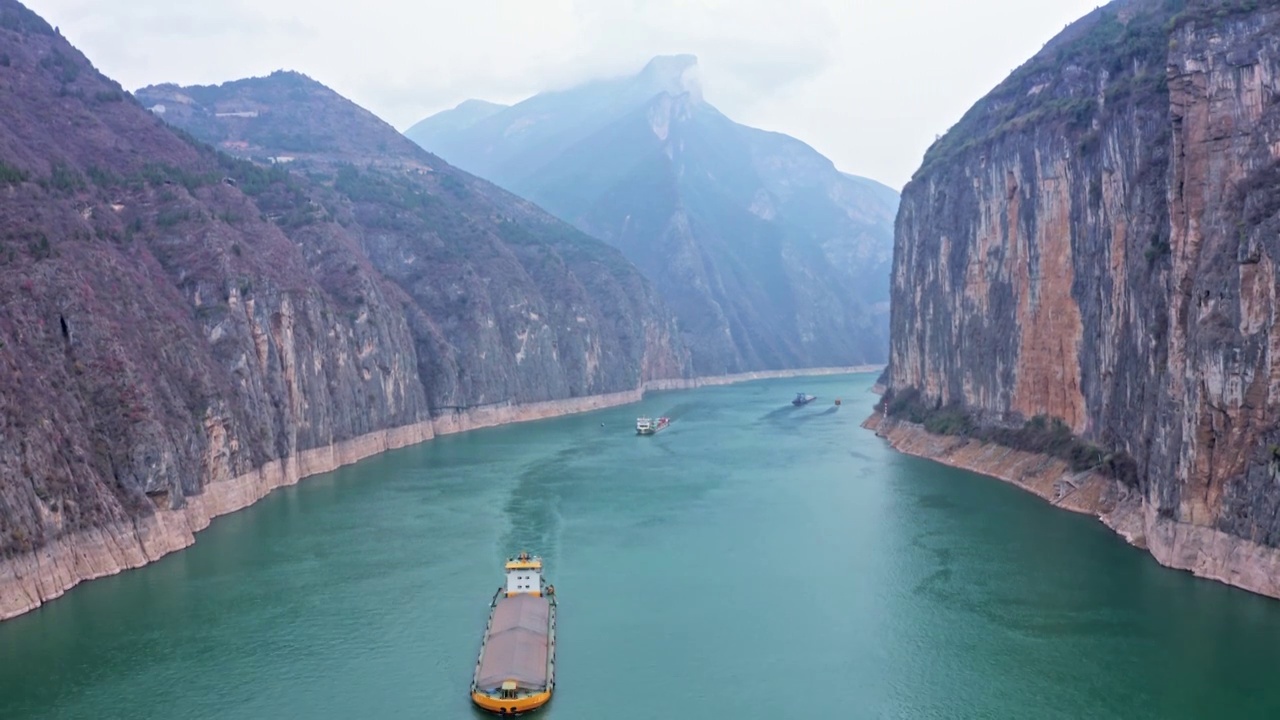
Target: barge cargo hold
(516,670)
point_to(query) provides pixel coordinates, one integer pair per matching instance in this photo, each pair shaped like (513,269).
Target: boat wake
(814,416)
(781,413)
(680,410)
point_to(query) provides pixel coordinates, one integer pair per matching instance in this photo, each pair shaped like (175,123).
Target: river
(754,561)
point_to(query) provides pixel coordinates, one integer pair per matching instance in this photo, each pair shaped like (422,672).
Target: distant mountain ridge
(464,115)
(771,257)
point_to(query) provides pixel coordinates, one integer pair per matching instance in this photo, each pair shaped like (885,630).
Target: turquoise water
(754,561)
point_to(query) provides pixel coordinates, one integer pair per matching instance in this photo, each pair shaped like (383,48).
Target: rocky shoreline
(28,581)
(1204,552)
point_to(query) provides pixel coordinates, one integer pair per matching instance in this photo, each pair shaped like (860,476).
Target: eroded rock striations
(1096,242)
(509,304)
(182,331)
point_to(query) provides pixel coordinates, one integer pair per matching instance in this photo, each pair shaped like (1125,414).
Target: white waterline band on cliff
(1203,551)
(31,579)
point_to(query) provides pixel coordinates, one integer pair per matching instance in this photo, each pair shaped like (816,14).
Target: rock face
(770,257)
(509,305)
(1096,241)
(183,331)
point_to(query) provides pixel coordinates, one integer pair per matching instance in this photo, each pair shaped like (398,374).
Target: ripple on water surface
(755,560)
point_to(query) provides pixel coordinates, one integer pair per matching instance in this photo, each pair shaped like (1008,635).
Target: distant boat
(647,426)
(516,670)
(802,399)
(837,402)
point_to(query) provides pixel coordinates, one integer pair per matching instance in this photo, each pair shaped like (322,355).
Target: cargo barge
(646,426)
(516,670)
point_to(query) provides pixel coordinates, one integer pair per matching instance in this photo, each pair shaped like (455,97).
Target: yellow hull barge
(516,670)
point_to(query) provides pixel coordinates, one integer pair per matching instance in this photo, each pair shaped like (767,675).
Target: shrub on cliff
(1041,434)
(950,420)
(1208,11)
(10,175)
(905,405)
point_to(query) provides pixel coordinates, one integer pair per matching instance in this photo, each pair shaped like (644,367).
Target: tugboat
(802,399)
(516,670)
(646,426)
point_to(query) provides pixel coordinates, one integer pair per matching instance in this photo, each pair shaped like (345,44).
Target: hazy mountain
(445,125)
(770,256)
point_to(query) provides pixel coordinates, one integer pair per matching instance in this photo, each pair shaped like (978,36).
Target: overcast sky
(869,83)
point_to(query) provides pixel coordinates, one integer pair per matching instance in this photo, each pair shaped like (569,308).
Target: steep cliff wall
(149,346)
(508,304)
(181,331)
(1094,242)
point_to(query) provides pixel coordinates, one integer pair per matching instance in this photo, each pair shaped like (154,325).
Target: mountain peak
(475,104)
(674,74)
(769,256)
(670,63)
(289,79)
(284,114)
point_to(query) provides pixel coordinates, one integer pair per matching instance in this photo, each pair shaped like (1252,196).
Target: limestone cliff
(1095,242)
(182,331)
(509,305)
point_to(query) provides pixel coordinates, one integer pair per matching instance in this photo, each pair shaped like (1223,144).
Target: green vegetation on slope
(1056,88)
(1040,434)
